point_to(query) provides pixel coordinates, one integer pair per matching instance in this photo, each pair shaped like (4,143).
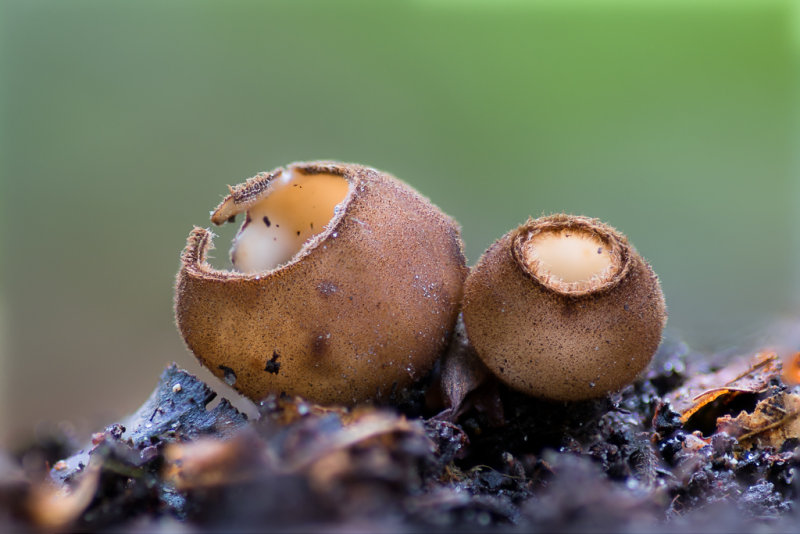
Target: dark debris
(463,452)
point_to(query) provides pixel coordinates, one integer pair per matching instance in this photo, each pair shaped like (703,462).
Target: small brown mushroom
(345,288)
(564,308)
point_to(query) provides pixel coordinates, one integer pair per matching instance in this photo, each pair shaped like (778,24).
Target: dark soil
(460,452)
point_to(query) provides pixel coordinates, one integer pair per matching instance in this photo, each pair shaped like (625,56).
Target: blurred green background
(122,123)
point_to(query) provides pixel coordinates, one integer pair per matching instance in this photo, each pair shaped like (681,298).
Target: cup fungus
(345,288)
(564,308)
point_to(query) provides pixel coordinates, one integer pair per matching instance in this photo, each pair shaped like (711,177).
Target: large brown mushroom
(564,308)
(345,288)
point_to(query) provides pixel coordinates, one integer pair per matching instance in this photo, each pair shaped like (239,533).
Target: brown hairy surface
(563,345)
(359,313)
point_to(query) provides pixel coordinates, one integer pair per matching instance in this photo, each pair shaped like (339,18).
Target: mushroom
(564,308)
(345,288)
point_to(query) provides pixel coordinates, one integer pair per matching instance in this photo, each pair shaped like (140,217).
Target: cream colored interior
(296,208)
(569,256)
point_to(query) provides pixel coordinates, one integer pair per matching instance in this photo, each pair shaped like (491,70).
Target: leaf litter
(686,447)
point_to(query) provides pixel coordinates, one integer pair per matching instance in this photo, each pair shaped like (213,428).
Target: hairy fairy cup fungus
(564,308)
(345,288)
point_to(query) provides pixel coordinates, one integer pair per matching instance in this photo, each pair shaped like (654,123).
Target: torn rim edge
(244,196)
(621,253)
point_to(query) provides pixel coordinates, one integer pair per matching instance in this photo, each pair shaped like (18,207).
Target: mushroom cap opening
(284,213)
(571,255)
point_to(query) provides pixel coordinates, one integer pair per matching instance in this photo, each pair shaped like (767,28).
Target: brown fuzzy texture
(563,343)
(363,310)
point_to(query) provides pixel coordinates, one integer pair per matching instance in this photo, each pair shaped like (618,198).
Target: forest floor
(697,444)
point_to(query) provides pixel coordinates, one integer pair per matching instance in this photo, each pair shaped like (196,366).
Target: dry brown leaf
(56,506)
(773,421)
(462,371)
(289,410)
(313,444)
(741,376)
(370,425)
(791,370)
(210,462)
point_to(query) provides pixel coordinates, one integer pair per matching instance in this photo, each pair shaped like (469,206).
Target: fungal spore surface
(568,256)
(297,207)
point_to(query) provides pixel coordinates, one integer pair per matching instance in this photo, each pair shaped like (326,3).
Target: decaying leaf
(52,505)
(286,411)
(462,372)
(740,377)
(210,462)
(774,420)
(791,370)
(305,438)
(306,467)
(302,445)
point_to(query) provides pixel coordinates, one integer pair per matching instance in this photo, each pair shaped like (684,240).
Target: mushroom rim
(247,194)
(620,251)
